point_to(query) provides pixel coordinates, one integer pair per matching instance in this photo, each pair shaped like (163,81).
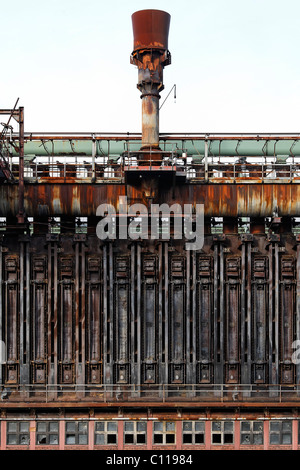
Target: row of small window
(135,432)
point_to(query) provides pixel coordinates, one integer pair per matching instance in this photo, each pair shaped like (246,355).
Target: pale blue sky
(235,64)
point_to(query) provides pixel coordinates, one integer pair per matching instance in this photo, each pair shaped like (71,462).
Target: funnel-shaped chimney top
(150,29)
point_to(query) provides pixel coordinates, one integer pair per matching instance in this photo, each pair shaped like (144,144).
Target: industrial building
(138,342)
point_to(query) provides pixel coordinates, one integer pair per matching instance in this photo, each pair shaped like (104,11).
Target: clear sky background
(235,64)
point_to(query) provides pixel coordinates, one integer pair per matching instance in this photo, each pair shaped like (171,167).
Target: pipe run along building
(140,343)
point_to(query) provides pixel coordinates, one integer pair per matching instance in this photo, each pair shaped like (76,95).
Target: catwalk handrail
(157,392)
(69,170)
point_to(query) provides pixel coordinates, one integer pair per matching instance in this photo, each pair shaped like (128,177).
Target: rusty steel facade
(141,314)
(144,330)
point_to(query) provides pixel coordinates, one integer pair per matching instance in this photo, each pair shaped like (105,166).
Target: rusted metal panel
(122,312)
(94,319)
(133,316)
(12,322)
(219,200)
(260,295)
(204,326)
(66,315)
(39,317)
(177,313)
(149,318)
(287,320)
(233,322)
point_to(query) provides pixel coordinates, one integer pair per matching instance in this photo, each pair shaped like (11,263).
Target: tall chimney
(151,55)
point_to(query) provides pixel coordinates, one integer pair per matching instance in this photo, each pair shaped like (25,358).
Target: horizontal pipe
(223,145)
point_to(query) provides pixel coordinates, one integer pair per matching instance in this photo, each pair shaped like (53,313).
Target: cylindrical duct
(150,54)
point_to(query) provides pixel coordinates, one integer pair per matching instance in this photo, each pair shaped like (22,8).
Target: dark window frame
(280,432)
(47,433)
(165,435)
(223,434)
(193,433)
(252,432)
(106,433)
(17,433)
(77,432)
(135,433)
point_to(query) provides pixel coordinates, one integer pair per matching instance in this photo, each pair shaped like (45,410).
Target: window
(252,432)
(76,432)
(163,432)
(222,432)
(47,432)
(106,433)
(18,433)
(135,432)
(280,432)
(193,432)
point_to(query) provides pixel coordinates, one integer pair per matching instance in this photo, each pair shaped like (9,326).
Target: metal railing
(89,169)
(164,393)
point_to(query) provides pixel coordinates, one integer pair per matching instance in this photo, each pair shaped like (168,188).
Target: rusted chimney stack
(151,55)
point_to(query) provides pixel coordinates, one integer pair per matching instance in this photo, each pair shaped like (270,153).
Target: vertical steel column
(270,310)
(206,160)
(22,317)
(138,313)
(217,374)
(244,352)
(133,315)
(274,312)
(106,372)
(94,152)
(21,214)
(77,312)
(248,315)
(166,316)
(49,319)
(55,315)
(3,435)
(82,352)
(194,318)
(111,322)
(188,322)
(221,315)
(28,313)
(276,316)
(160,316)
(79,316)
(297,319)
(2,345)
